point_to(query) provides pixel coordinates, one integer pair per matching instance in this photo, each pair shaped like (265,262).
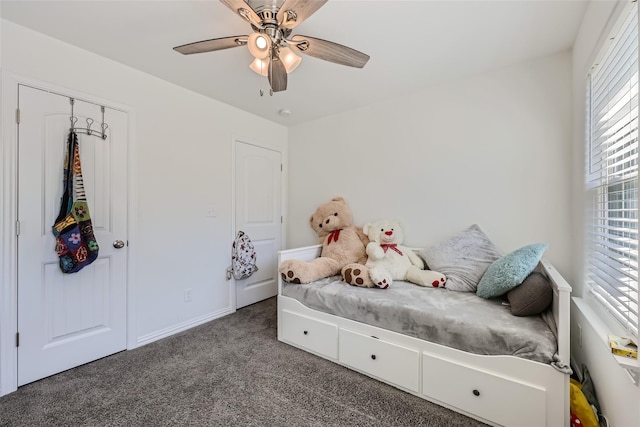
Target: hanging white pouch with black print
(243,257)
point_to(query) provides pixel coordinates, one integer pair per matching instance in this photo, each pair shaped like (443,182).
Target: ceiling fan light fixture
(259,45)
(270,42)
(289,59)
(260,66)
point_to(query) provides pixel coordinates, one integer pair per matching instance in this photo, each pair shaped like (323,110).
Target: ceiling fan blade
(244,10)
(277,75)
(211,45)
(329,51)
(294,12)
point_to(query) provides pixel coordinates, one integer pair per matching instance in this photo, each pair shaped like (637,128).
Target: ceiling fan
(271,43)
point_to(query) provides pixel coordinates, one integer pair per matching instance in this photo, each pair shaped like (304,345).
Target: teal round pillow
(509,271)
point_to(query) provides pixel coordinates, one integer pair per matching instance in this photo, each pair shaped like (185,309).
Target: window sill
(632,366)
(628,363)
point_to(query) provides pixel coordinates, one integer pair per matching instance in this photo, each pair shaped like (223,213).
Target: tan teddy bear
(342,243)
(388,260)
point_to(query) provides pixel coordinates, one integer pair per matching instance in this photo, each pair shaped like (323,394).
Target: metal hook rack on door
(73,119)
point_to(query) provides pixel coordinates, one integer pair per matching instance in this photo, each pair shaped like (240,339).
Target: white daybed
(496,389)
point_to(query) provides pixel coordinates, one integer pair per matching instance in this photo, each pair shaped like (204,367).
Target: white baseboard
(167,332)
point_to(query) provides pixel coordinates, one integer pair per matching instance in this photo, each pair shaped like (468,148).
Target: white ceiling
(412,44)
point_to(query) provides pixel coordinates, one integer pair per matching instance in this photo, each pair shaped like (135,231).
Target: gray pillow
(463,258)
(532,297)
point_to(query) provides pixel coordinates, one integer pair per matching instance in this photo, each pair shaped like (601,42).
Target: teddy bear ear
(338,199)
(365,228)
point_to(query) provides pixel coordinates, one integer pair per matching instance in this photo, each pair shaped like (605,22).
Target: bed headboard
(561,305)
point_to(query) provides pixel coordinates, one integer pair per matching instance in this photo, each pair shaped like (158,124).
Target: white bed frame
(498,390)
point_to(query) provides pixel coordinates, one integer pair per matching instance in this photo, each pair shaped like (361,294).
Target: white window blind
(612,173)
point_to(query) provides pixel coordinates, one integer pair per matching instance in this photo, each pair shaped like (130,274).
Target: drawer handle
(373,356)
(476,393)
(305,332)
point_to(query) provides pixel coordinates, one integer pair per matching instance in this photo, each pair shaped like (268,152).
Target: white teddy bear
(389,261)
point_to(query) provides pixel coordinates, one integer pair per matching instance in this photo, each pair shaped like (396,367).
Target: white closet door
(65,320)
(258,189)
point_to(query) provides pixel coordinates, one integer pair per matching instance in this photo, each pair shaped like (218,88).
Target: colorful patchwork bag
(76,244)
(243,257)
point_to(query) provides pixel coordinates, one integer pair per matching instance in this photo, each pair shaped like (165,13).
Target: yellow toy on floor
(580,407)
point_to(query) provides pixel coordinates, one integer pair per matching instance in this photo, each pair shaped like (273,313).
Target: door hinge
(17,339)
(281,167)
(17,115)
(281,220)
(17,228)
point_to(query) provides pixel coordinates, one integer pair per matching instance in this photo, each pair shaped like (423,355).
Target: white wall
(182,154)
(492,149)
(617,395)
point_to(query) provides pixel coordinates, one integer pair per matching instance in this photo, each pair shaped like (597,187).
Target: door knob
(118,244)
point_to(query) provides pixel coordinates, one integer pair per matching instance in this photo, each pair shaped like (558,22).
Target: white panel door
(258,182)
(65,320)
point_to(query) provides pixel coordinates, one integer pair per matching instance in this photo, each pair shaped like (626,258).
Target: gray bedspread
(459,320)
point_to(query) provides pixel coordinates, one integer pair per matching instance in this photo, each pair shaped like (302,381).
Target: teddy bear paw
(441,283)
(289,276)
(357,275)
(383,284)
(353,276)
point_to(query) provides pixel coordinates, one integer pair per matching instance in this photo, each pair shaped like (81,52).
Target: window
(612,173)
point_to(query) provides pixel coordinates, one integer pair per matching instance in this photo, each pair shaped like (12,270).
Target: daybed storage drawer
(315,335)
(498,399)
(396,364)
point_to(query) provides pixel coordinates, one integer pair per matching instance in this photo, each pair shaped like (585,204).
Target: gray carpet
(231,371)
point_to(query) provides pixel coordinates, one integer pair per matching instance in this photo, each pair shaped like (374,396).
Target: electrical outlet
(187,295)
(579,335)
